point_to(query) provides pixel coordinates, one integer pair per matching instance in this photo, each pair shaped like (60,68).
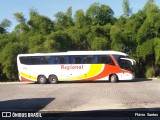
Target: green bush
(149,72)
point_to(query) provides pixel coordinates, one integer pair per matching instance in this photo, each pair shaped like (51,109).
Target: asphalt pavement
(128,99)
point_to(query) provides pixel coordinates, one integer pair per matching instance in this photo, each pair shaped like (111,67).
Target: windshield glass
(123,63)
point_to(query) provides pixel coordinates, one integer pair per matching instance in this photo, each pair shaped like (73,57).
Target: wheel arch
(52,75)
(40,75)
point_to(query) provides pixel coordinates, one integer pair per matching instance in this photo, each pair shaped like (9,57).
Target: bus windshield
(124,62)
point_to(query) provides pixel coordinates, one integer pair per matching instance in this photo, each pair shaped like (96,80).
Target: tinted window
(95,59)
(61,60)
(90,59)
(125,65)
(57,59)
(117,57)
(44,60)
(105,59)
(35,60)
(51,60)
(78,60)
(24,60)
(109,60)
(73,59)
(67,60)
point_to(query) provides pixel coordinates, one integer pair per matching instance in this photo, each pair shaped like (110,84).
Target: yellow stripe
(93,71)
(28,76)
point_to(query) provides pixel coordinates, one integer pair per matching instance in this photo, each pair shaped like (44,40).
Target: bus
(111,66)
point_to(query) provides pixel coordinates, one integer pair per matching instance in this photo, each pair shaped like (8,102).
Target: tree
(58,41)
(8,59)
(4,26)
(117,38)
(64,20)
(127,12)
(69,20)
(36,44)
(157,50)
(40,24)
(99,43)
(145,50)
(80,18)
(99,14)
(22,26)
(79,40)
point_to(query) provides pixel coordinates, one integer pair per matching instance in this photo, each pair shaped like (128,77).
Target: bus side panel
(87,71)
(65,72)
(70,72)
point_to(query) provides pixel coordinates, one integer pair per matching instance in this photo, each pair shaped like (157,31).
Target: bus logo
(6,114)
(69,67)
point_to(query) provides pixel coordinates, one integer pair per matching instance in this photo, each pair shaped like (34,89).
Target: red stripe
(108,69)
(25,79)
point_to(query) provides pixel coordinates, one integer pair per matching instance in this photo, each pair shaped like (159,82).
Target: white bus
(75,66)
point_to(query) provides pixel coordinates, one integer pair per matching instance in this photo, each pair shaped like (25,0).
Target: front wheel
(113,78)
(53,79)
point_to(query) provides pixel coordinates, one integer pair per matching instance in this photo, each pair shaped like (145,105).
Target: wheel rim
(53,80)
(112,78)
(42,80)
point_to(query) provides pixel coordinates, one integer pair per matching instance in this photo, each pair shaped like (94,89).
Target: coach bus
(75,66)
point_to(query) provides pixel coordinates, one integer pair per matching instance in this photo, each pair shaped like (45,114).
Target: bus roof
(77,53)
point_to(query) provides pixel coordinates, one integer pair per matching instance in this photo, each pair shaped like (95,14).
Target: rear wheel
(113,78)
(42,79)
(53,79)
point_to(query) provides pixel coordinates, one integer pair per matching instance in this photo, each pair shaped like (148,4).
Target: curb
(14,82)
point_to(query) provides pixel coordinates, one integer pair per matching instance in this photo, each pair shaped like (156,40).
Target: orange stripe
(25,79)
(103,74)
(108,69)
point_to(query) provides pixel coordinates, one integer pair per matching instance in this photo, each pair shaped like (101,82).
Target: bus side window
(84,59)
(72,58)
(57,60)
(67,60)
(102,59)
(94,59)
(61,60)
(105,59)
(78,60)
(25,60)
(109,60)
(51,60)
(44,59)
(35,60)
(88,59)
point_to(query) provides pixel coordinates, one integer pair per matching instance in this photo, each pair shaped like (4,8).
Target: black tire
(53,79)
(42,79)
(113,78)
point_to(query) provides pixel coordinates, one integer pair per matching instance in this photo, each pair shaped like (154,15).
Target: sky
(50,7)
